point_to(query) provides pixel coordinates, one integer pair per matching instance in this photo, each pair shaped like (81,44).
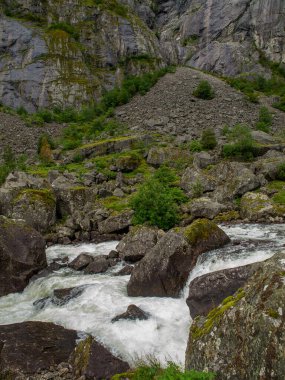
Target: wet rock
(81,261)
(22,254)
(117,223)
(98,265)
(165,268)
(244,337)
(30,347)
(133,313)
(126,271)
(208,291)
(92,360)
(60,297)
(113,254)
(134,246)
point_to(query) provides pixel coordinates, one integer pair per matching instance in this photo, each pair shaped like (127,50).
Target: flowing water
(165,333)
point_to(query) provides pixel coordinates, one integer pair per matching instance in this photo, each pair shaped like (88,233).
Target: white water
(165,333)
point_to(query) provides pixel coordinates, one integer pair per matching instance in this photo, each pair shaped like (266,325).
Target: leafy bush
(242,145)
(157,200)
(154,371)
(195,146)
(208,139)
(68,28)
(204,91)
(10,163)
(281,172)
(45,146)
(280,105)
(265,120)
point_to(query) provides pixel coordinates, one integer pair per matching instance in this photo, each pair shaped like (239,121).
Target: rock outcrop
(164,269)
(243,338)
(30,347)
(95,44)
(208,291)
(133,313)
(93,361)
(22,254)
(138,242)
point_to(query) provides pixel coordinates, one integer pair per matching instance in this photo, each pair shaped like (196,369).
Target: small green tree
(208,139)
(204,91)
(265,120)
(242,144)
(157,200)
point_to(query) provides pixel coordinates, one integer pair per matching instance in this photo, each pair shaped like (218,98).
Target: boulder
(36,207)
(116,223)
(93,361)
(268,167)
(208,291)
(127,163)
(193,178)
(164,270)
(81,261)
(244,337)
(134,246)
(133,313)
(233,180)
(258,207)
(22,254)
(60,297)
(100,264)
(157,156)
(262,137)
(202,160)
(30,347)
(206,208)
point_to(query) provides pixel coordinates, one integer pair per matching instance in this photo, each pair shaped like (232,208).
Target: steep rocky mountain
(54,53)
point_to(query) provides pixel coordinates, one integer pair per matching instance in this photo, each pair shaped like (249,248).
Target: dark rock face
(60,297)
(29,347)
(81,261)
(92,360)
(98,265)
(22,254)
(133,312)
(208,291)
(134,246)
(244,337)
(165,269)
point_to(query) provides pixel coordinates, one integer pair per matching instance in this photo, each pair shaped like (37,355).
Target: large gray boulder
(116,223)
(206,208)
(22,254)
(208,291)
(243,338)
(138,242)
(30,347)
(164,269)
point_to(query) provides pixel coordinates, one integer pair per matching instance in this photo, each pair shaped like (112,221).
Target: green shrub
(68,28)
(280,105)
(154,371)
(208,139)
(195,146)
(281,172)
(10,163)
(204,91)
(265,120)
(157,200)
(242,145)
(22,111)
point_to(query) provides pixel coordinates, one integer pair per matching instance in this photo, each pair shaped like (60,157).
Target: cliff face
(65,52)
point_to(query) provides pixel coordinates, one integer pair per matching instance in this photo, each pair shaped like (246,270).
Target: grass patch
(154,371)
(10,163)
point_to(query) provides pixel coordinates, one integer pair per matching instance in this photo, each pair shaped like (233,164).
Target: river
(165,334)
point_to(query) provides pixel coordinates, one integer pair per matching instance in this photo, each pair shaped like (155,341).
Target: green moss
(214,316)
(272,313)
(199,230)
(82,354)
(43,196)
(227,216)
(116,204)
